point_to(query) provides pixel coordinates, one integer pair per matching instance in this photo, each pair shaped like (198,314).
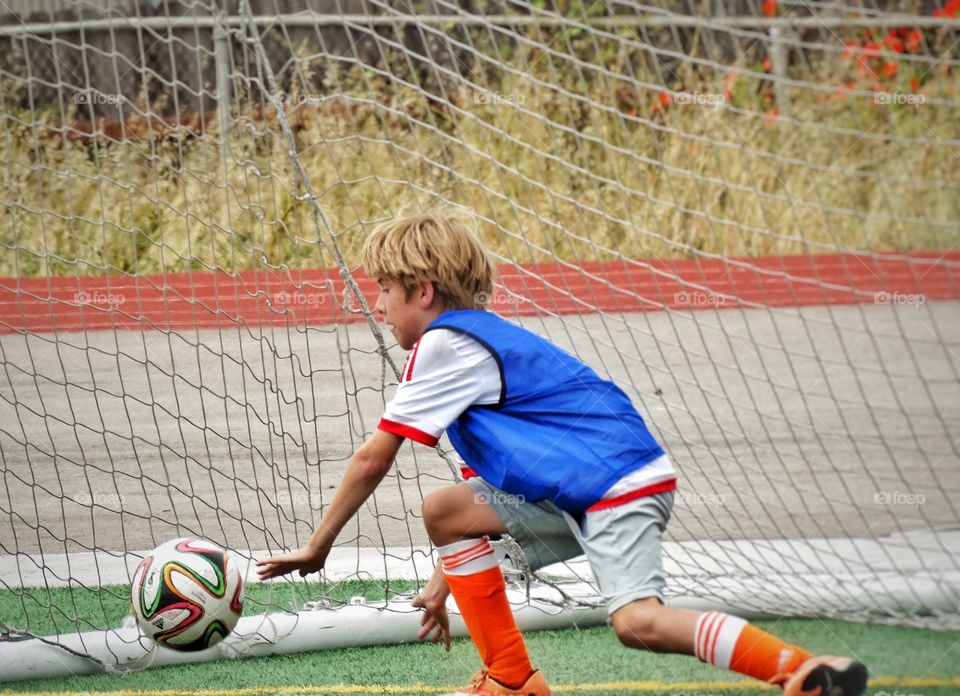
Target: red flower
(665,98)
(951,9)
(769,8)
(893,43)
(767,64)
(914,84)
(914,40)
(890,68)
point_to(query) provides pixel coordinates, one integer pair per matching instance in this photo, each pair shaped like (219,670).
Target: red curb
(315,297)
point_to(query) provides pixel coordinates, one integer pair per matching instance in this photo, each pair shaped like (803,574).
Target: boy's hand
(433,600)
(306,560)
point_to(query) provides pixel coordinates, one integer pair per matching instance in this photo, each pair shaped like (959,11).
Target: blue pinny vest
(559,431)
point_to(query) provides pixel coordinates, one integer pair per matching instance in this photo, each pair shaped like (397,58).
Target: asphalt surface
(837,421)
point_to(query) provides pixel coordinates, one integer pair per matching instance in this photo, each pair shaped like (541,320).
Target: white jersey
(447,372)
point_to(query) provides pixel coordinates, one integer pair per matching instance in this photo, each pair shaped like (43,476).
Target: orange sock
(732,643)
(476,582)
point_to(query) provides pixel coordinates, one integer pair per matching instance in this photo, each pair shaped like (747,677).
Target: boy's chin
(407,343)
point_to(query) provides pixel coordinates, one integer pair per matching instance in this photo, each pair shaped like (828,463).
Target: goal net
(748,219)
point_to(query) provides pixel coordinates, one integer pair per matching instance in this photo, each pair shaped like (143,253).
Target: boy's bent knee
(637,625)
(437,510)
(454,513)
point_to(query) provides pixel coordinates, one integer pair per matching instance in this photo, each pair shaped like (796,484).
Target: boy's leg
(719,639)
(623,545)
(731,643)
(458,522)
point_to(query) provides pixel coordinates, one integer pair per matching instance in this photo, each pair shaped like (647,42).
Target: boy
(564,464)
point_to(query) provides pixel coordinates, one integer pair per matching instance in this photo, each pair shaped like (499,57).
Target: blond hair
(433,247)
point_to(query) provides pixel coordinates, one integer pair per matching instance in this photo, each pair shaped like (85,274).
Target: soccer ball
(187,594)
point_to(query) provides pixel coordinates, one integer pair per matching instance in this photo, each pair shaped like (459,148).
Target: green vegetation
(567,162)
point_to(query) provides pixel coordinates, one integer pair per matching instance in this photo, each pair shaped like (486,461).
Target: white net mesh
(747,218)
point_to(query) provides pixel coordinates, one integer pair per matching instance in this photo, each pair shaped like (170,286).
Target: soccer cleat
(482,684)
(827,676)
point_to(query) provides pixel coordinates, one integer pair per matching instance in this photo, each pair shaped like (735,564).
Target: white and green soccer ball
(187,594)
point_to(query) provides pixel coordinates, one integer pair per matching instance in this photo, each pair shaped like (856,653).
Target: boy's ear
(427,294)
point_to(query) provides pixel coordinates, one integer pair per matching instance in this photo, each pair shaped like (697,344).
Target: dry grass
(548,173)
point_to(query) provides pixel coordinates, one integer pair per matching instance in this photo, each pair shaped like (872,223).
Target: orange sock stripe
(703,629)
(450,565)
(708,638)
(715,639)
(479,546)
(715,636)
(698,643)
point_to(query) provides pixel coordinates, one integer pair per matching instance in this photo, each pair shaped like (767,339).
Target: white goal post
(747,219)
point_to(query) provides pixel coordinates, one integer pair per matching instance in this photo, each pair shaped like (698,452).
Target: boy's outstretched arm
(366,469)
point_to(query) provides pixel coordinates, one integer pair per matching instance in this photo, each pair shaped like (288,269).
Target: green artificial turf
(571,659)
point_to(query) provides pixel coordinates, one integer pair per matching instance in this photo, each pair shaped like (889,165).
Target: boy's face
(407,314)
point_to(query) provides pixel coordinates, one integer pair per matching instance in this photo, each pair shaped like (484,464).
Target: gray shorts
(622,543)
